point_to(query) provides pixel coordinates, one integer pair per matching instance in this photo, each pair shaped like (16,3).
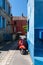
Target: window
(0,22)
(4,4)
(14,22)
(41,35)
(9,10)
(3,22)
(28,25)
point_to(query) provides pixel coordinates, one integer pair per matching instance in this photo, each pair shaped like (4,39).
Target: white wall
(31,20)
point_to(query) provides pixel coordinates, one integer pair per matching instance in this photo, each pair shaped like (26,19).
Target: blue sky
(18,7)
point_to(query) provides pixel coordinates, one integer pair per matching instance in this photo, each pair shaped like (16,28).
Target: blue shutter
(0,22)
(3,22)
(4,4)
(1,3)
(9,10)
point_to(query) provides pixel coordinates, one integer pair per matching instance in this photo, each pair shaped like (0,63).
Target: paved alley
(19,59)
(11,56)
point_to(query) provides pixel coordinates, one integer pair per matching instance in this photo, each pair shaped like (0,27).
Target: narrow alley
(21,32)
(11,56)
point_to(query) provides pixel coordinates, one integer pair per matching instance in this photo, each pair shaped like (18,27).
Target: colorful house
(19,24)
(35,31)
(4,17)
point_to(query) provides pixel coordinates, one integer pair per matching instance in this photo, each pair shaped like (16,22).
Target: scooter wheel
(22,51)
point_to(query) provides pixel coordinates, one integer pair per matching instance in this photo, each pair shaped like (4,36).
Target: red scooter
(22,46)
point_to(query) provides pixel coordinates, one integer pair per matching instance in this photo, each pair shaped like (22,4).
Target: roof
(19,18)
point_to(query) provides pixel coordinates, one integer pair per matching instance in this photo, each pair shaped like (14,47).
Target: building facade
(35,31)
(4,17)
(19,24)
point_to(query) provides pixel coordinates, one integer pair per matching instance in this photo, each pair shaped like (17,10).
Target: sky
(18,7)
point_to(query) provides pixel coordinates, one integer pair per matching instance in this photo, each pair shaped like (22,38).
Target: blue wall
(0,3)
(35,44)
(38,14)
(7,8)
(2,22)
(38,24)
(38,50)
(4,4)
(38,61)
